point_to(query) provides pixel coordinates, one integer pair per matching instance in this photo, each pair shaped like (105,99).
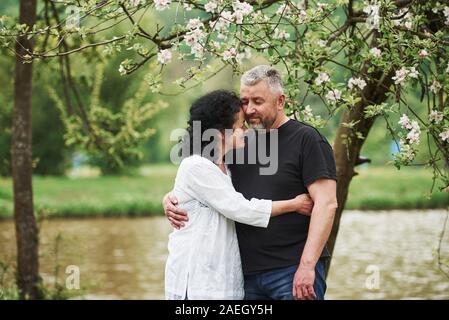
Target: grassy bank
(372,189)
(386,188)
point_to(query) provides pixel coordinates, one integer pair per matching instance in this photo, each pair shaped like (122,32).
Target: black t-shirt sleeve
(317,157)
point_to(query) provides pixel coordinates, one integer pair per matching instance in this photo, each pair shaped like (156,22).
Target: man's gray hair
(263,72)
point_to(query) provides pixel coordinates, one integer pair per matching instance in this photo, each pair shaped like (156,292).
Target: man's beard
(259,126)
(264,124)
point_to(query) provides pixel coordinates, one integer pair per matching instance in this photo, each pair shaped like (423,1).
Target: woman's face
(237,139)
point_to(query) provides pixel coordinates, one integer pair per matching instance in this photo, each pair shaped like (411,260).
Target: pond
(378,255)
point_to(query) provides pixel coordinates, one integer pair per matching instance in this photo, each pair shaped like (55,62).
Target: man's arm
(176,216)
(324,195)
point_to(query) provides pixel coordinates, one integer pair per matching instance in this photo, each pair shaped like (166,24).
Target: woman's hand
(303,204)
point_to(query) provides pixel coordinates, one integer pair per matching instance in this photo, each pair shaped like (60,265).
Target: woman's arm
(206,183)
(302,204)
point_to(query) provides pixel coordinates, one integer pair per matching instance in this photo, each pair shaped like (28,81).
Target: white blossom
(400,76)
(321,6)
(322,78)
(435,87)
(222,23)
(188,7)
(376,52)
(259,17)
(413,73)
(410,154)
(356,82)
(198,50)
(413,137)
(407,151)
(161,5)
(122,70)
(195,24)
(211,6)
(241,10)
(229,54)
(281,34)
(135,3)
(238,17)
(414,125)
(445,135)
(404,121)
(333,95)
(194,37)
(164,56)
(404,18)
(284,9)
(307,112)
(408,24)
(302,17)
(322,43)
(373,19)
(226,15)
(190,39)
(447,68)
(446,14)
(244,7)
(423,53)
(435,116)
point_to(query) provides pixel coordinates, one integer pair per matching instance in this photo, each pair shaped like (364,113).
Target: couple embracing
(243,230)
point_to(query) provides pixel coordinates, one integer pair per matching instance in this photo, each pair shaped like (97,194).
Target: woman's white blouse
(204,258)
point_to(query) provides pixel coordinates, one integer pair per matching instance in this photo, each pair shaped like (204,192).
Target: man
(287,260)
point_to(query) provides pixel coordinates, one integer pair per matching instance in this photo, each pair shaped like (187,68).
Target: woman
(204,259)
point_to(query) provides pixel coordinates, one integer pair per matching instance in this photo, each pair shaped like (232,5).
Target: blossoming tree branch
(363,59)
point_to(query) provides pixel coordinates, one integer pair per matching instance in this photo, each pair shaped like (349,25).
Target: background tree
(21,159)
(121,131)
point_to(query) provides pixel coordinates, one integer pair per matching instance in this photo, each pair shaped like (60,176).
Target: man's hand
(304,204)
(324,196)
(175,215)
(303,283)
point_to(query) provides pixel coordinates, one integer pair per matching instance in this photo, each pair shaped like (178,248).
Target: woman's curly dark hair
(215,110)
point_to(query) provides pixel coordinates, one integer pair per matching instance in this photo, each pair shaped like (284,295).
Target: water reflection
(399,244)
(124,258)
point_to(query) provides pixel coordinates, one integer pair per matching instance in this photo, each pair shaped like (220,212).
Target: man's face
(260,104)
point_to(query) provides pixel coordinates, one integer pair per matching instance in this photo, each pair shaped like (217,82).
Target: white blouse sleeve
(209,185)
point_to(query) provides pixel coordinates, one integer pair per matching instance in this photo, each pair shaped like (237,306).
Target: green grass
(385,188)
(96,196)
(372,189)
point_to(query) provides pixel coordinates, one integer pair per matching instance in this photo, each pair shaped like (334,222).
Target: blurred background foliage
(53,157)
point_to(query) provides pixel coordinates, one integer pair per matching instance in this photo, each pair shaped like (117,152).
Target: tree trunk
(347,151)
(21,156)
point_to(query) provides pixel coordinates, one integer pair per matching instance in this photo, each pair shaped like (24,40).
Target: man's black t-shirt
(304,156)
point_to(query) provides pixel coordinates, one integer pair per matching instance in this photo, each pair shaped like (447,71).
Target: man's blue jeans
(277,284)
